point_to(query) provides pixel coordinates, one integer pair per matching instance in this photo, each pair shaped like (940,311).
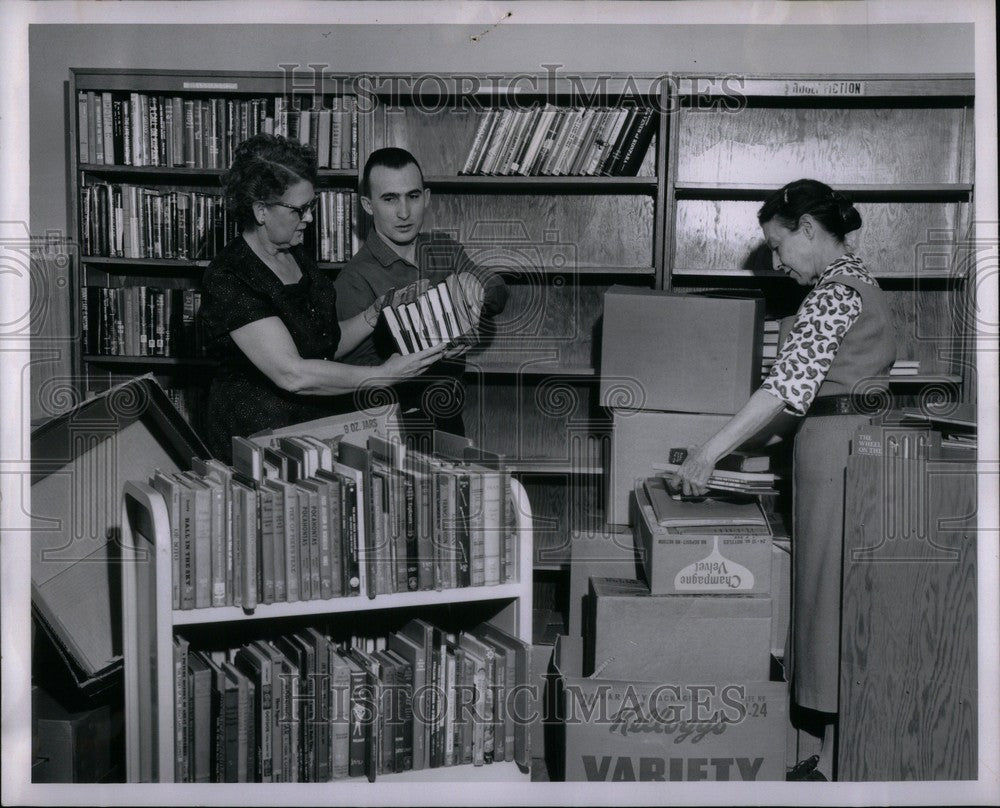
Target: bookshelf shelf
(528,370)
(534,184)
(898,277)
(169,263)
(403,600)
(198,175)
(152,361)
(149,624)
(901,192)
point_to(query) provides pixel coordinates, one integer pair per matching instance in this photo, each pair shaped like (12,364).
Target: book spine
(181,717)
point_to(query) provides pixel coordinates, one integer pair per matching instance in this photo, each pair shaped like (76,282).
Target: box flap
(674,607)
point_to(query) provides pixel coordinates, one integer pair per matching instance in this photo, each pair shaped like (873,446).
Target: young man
(395,255)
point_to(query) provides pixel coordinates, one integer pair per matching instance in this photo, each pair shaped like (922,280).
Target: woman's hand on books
(694,472)
(398,366)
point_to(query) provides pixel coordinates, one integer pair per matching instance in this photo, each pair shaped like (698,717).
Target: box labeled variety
(640,439)
(676,638)
(684,353)
(627,728)
(719,559)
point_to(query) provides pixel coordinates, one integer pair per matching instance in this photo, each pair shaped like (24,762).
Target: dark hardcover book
(518,747)
(462,520)
(360,717)
(390,747)
(275,659)
(412,653)
(340,713)
(200,717)
(302,655)
(421,633)
(182,727)
(359,459)
(321,700)
(404,705)
(635,151)
(257,667)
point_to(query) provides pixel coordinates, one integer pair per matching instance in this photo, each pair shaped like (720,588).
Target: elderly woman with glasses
(269,313)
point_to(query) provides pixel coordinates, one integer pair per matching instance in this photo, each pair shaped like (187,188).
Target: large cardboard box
(684,353)
(610,554)
(641,438)
(79,462)
(629,729)
(686,638)
(81,745)
(711,560)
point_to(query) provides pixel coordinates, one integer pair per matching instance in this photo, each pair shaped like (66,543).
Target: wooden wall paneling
(775,145)
(925,326)
(553,419)
(908,642)
(552,313)
(723,235)
(521,231)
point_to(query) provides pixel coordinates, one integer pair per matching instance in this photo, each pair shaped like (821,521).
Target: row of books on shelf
(129,221)
(142,129)
(302,707)
(440,314)
(141,321)
(317,519)
(560,141)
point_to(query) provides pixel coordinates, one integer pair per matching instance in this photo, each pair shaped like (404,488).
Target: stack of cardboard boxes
(670,678)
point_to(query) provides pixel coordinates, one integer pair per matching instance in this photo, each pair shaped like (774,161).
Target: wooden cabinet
(908,676)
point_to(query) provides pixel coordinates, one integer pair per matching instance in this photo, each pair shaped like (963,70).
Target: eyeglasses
(301,210)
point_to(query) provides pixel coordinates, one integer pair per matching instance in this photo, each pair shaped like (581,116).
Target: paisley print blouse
(825,316)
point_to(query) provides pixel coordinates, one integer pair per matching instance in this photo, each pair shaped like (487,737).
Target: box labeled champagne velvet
(679,352)
(715,559)
(631,728)
(641,438)
(676,637)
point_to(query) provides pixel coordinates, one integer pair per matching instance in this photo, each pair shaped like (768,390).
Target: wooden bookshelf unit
(901,147)
(150,623)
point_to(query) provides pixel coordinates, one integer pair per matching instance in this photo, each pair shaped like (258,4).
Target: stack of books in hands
(738,472)
(905,367)
(441,314)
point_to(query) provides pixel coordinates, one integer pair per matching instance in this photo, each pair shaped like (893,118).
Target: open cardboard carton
(79,463)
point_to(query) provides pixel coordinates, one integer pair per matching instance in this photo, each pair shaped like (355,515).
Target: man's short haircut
(389,157)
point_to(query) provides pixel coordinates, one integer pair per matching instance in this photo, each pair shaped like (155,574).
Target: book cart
(150,622)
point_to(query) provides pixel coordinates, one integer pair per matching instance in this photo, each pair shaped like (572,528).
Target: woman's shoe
(805,770)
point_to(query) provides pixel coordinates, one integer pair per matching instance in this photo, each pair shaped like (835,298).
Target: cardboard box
(76,746)
(641,438)
(602,555)
(627,729)
(80,460)
(701,560)
(683,353)
(670,638)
